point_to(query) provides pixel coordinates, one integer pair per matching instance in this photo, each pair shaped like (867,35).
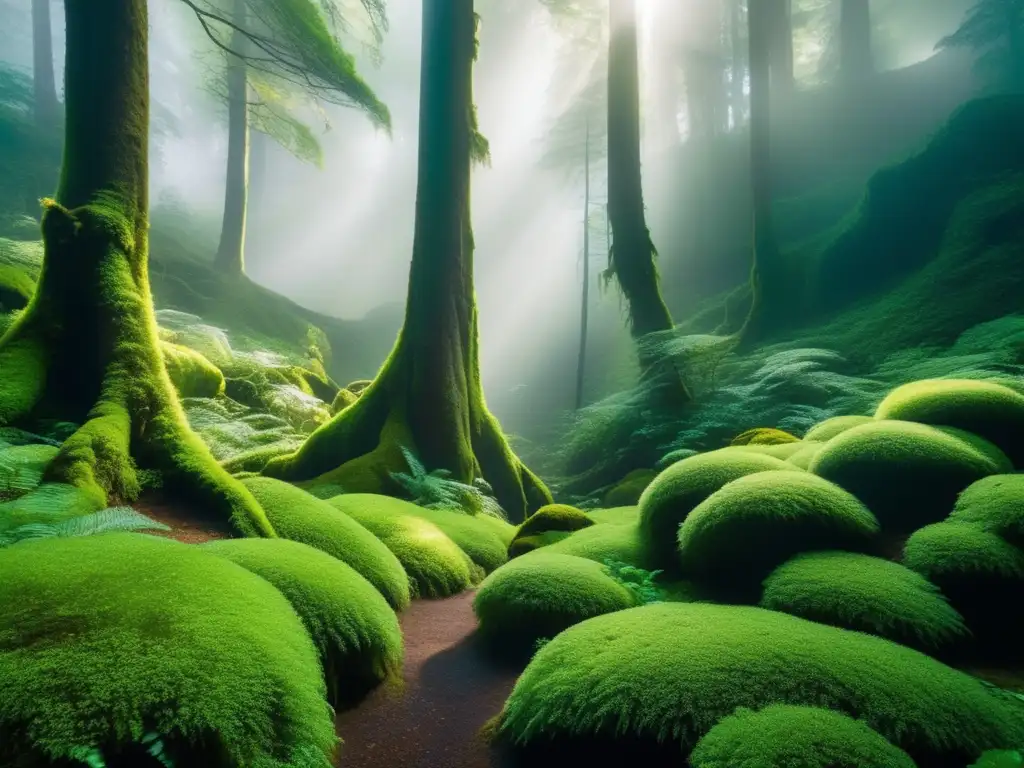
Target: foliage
(111,637)
(866,594)
(298,516)
(694,664)
(437,490)
(637,580)
(352,625)
(990,29)
(104,521)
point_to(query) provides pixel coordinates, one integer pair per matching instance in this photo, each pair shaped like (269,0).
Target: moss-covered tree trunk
(231,251)
(43,81)
(780,24)
(86,348)
(427,397)
(856,62)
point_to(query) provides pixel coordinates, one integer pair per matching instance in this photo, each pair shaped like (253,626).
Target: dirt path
(451,689)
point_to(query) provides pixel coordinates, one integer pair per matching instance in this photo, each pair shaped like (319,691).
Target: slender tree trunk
(856,62)
(738,69)
(44,83)
(231,251)
(86,348)
(427,397)
(633,257)
(581,362)
(780,24)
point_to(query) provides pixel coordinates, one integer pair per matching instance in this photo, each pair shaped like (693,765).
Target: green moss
(763,436)
(523,544)
(672,457)
(351,624)
(298,516)
(694,664)
(343,400)
(255,459)
(684,485)
(995,504)
(829,428)
(1000,758)
(615,515)
(553,517)
(984,408)
(804,455)
(866,594)
(484,539)
(908,474)
(629,489)
(22,468)
(755,523)
(437,567)
(542,594)
(603,543)
(191,373)
(783,451)
(981,574)
(782,736)
(110,637)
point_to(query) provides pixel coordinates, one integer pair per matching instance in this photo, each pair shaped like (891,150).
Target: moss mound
(191,373)
(782,736)
(342,400)
(676,491)
(985,408)
(995,504)
(781,451)
(763,436)
(520,546)
(298,516)
(484,539)
(619,543)
(555,517)
(694,664)
(628,490)
(107,638)
(982,575)
(541,595)
(351,623)
(866,594)
(829,428)
(615,515)
(741,532)
(908,474)
(804,455)
(437,567)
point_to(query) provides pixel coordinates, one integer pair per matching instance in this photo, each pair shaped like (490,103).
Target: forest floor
(184,525)
(451,687)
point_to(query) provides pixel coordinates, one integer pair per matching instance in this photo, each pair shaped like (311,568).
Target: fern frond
(104,521)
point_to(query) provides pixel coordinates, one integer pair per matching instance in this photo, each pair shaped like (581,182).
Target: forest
(506,383)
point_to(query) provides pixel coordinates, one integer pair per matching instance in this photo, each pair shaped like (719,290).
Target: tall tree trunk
(427,397)
(86,348)
(856,62)
(231,251)
(780,24)
(738,69)
(765,277)
(44,83)
(581,360)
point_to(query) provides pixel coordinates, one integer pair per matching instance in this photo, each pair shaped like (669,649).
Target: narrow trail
(450,690)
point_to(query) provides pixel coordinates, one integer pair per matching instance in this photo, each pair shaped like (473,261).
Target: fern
(153,743)
(437,489)
(104,521)
(638,581)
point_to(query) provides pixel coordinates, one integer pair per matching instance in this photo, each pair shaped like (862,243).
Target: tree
(779,23)
(85,349)
(273,49)
(856,61)
(44,84)
(427,397)
(995,30)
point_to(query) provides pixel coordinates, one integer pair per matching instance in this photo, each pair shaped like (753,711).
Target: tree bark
(427,397)
(856,62)
(780,24)
(581,359)
(44,83)
(738,67)
(231,251)
(86,349)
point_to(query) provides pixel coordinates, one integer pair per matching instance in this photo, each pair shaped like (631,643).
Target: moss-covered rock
(763,436)
(981,574)
(603,543)
(191,373)
(994,504)
(908,474)
(615,515)
(804,455)
(676,491)
(342,400)
(829,428)
(483,538)
(523,544)
(437,567)
(783,451)
(354,629)
(629,489)
(1000,758)
(866,594)
(107,638)
(555,517)
(782,736)
(298,516)
(543,594)
(694,664)
(985,408)
(741,532)
(672,457)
